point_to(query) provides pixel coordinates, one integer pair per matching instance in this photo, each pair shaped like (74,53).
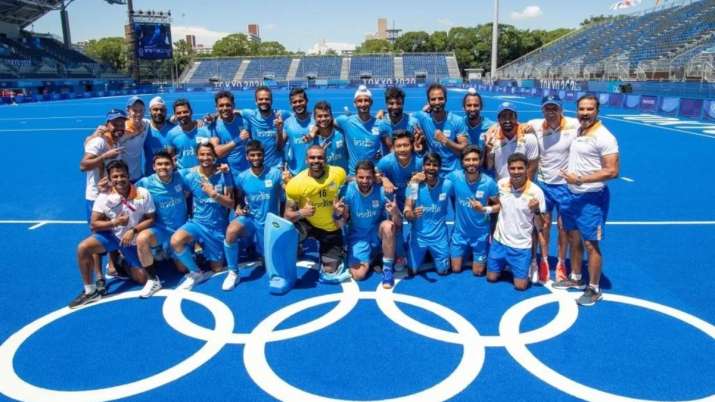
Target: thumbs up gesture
(308,209)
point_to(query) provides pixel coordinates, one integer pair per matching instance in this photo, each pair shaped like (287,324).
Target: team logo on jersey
(177,187)
(442,196)
(375,203)
(447,132)
(202,140)
(338,144)
(268,183)
(375,131)
(479,194)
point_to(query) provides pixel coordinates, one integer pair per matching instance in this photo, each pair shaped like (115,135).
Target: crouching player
(426,209)
(362,206)
(212,192)
(168,191)
(472,193)
(520,206)
(116,219)
(259,191)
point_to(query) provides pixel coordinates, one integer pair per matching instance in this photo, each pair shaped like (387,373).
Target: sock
(231,253)
(185,258)
(594,287)
(89,289)
(388,263)
(151,272)
(576,277)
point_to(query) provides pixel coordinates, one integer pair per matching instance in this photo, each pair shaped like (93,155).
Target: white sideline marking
(628,179)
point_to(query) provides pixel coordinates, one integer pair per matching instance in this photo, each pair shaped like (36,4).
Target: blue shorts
(361,249)
(252,231)
(210,240)
(110,242)
(439,250)
(518,259)
(587,213)
(477,243)
(556,195)
(163,240)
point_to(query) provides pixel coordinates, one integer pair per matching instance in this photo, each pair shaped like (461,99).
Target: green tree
(374,46)
(597,19)
(438,41)
(110,51)
(183,54)
(414,42)
(233,45)
(271,49)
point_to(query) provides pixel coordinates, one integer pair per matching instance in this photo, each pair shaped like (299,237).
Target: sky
(300,25)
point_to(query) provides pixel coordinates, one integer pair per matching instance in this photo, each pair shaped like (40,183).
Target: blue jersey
(366,210)
(184,145)
(364,138)
(336,151)
(207,211)
(399,175)
(262,129)
(169,199)
(432,225)
(230,132)
(156,140)
(296,148)
(476,133)
(406,123)
(461,191)
(452,127)
(263,193)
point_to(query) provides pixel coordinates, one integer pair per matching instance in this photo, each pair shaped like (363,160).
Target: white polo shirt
(138,204)
(504,147)
(585,155)
(95,146)
(516,220)
(134,149)
(554,147)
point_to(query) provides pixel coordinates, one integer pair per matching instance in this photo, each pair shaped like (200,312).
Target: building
(381,28)
(254,33)
(191,41)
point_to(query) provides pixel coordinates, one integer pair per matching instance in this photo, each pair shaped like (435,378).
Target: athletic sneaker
(152,286)
(589,297)
(232,279)
(84,298)
(388,280)
(101,287)
(194,278)
(569,283)
(543,271)
(534,272)
(561,273)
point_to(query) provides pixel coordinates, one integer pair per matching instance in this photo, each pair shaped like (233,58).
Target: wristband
(488,210)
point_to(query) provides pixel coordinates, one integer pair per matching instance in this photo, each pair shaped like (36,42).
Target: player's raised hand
(278,120)
(440,137)
(242,211)
(418,177)
(534,206)
(285,173)
(388,186)
(245,135)
(207,188)
(380,114)
(391,207)
(339,206)
(113,153)
(419,211)
(476,205)
(103,185)
(308,209)
(312,133)
(121,220)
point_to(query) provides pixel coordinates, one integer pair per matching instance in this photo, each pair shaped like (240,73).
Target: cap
(157,101)
(134,99)
(116,114)
(506,106)
(362,91)
(551,100)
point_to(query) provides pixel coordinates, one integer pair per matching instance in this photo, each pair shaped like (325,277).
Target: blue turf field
(432,338)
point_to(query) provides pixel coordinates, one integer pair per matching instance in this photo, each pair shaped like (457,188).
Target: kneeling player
(168,191)
(117,217)
(472,192)
(310,205)
(362,206)
(259,190)
(426,209)
(212,192)
(520,206)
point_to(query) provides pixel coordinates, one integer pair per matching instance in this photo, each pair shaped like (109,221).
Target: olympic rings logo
(474,345)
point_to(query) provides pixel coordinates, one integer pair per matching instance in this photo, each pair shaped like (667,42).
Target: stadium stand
(319,67)
(215,69)
(427,65)
(659,44)
(372,66)
(273,68)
